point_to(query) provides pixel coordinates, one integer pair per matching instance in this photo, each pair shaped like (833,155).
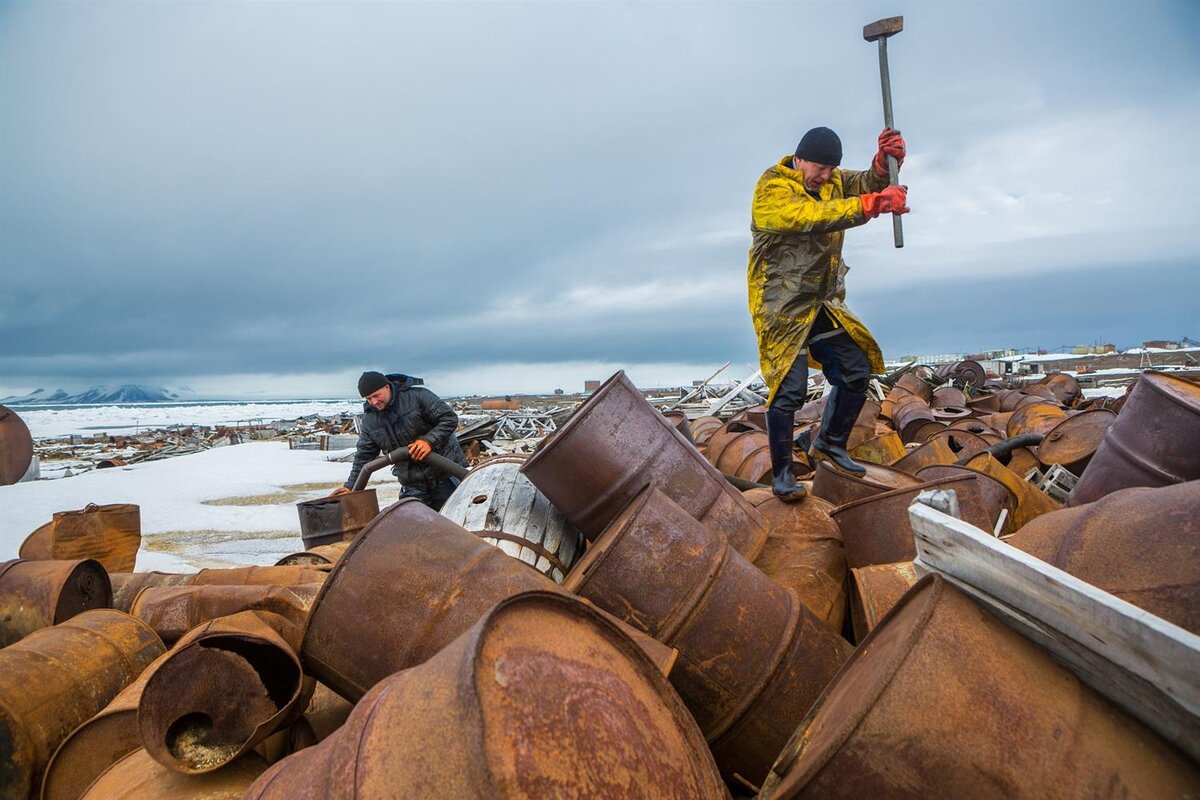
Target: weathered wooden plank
(1138,660)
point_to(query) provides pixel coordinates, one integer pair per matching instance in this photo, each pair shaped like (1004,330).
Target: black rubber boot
(779,436)
(841,410)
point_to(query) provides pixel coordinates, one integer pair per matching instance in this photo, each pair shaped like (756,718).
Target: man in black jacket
(399,413)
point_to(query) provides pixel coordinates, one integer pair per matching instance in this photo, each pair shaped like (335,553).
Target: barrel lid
(1175,387)
(1076,437)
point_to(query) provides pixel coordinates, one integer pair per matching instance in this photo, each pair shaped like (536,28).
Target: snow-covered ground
(227,506)
(86,420)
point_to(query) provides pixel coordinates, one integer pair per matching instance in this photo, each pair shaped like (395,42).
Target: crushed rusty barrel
(257,576)
(1074,440)
(38,594)
(1039,417)
(336,518)
(172,611)
(874,591)
(408,585)
(16,447)
(1064,388)
(752,657)
(993,494)
(911,417)
(137,776)
(55,679)
(754,417)
(679,421)
(500,505)
(1141,545)
(916,385)
(126,585)
(703,428)
(1031,501)
(110,534)
(541,697)
(876,529)
(741,453)
(945,447)
(223,688)
(948,397)
(616,444)
(804,553)
(839,488)
(884,449)
(97,744)
(944,700)
(982,404)
(320,557)
(1155,440)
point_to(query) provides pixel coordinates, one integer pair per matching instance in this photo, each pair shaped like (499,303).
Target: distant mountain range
(125,393)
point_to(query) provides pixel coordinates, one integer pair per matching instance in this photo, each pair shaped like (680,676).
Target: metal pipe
(1003,449)
(401,454)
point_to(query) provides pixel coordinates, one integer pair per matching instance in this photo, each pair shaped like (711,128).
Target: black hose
(400,454)
(1002,450)
(741,484)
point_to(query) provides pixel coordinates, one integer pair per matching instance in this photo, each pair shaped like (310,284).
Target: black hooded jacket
(414,413)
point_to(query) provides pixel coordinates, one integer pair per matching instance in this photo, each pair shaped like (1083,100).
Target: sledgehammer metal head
(879,31)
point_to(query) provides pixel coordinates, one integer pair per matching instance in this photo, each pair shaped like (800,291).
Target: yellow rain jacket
(796,265)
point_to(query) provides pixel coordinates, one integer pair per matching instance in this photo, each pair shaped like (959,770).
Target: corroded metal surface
(542,697)
(320,557)
(840,488)
(874,591)
(172,611)
(743,453)
(495,496)
(55,679)
(703,428)
(994,496)
(915,385)
(616,444)
(37,594)
(126,585)
(111,534)
(679,421)
(951,396)
(967,373)
(1031,502)
(1035,417)
(1074,440)
(258,576)
(741,671)
(336,519)
(1155,440)
(137,776)
(16,447)
(425,581)
(804,553)
(97,744)
(1064,388)
(754,417)
(223,688)
(943,700)
(908,418)
(876,530)
(1140,544)
(884,449)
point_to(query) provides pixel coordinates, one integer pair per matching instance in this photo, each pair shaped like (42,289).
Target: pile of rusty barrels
(611,618)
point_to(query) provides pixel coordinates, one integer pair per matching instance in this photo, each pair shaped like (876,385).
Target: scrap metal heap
(611,617)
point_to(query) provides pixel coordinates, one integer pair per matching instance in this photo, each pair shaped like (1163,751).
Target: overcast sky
(268,198)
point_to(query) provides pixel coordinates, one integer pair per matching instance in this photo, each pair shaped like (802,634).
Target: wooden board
(1138,660)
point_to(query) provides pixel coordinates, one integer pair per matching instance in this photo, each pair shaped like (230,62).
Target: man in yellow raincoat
(796,276)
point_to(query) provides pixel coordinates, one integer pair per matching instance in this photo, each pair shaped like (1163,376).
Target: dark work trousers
(436,498)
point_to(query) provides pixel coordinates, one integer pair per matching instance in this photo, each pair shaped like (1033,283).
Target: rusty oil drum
(1031,502)
(172,611)
(540,697)
(1074,440)
(1141,545)
(126,585)
(110,533)
(406,587)
(1064,388)
(876,529)
(874,591)
(616,444)
(703,428)
(804,553)
(55,679)
(38,594)
(335,519)
(752,658)
(1037,417)
(944,700)
(323,556)
(137,776)
(884,449)
(500,505)
(741,453)
(839,488)
(1155,440)
(16,447)
(223,688)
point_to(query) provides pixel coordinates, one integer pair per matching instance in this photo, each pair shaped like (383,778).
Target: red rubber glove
(890,201)
(891,143)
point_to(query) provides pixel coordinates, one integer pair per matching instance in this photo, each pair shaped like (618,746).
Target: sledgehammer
(879,31)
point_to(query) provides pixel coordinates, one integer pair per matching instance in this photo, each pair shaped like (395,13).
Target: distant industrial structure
(1080,359)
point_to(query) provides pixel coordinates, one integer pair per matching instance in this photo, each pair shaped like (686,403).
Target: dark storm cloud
(215,189)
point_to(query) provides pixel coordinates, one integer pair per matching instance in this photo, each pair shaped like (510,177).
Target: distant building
(1159,344)
(591,386)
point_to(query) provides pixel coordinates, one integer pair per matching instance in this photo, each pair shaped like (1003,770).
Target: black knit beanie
(371,382)
(822,146)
